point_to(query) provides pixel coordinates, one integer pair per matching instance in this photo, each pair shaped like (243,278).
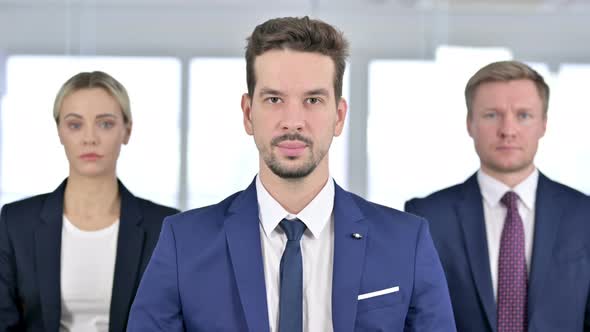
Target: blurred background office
(182,62)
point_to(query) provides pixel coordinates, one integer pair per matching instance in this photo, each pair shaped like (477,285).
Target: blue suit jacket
(30,249)
(559,279)
(207,274)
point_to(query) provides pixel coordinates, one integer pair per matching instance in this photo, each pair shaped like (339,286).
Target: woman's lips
(90,156)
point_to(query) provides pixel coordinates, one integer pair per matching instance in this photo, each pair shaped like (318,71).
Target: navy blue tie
(291,298)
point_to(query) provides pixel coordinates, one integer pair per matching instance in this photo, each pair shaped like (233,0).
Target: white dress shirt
(87,272)
(317,251)
(494,211)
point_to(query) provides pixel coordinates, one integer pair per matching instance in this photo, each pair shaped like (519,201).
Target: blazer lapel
(549,208)
(470,214)
(130,244)
(349,257)
(47,257)
(243,240)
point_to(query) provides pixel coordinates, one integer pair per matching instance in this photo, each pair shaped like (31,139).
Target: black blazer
(559,278)
(30,244)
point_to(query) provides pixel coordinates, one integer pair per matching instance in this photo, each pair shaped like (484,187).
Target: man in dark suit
(515,245)
(294,251)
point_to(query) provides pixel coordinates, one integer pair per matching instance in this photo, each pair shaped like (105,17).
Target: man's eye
(524,115)
(274,100)
(313,100)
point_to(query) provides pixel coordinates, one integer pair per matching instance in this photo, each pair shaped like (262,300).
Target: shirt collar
(492,190)
(315,215)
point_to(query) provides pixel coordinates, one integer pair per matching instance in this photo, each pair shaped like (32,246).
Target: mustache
(291,137)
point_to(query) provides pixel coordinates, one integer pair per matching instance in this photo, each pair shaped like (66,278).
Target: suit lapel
(243,240)
(470,214)
(128,259)
(47,257)
(349,257)
(549,208)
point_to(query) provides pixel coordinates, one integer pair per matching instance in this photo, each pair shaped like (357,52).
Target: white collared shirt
(494,211)
(317,251)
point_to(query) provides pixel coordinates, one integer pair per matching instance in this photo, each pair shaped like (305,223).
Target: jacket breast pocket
(383,312)
(572,256)
(379,299)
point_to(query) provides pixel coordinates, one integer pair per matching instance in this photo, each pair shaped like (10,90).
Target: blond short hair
(504,71)
(89,80)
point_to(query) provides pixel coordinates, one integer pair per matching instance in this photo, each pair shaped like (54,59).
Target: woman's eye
(106,124)
(74,125)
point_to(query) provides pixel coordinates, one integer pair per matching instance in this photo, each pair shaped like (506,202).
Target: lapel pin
(356,236)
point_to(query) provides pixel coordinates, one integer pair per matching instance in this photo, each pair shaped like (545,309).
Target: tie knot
(293,228)
(509,199)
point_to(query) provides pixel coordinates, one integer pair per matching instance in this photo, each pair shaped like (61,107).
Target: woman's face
(92,129)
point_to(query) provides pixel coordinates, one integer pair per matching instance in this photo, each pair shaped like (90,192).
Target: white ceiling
(336,4)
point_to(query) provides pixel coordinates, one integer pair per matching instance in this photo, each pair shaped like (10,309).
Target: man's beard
(289,173)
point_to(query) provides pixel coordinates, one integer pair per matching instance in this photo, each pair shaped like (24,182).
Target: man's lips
(292,148)
(507,147)
(292,145)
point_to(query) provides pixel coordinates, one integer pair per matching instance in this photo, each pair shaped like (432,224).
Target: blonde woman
(71,260)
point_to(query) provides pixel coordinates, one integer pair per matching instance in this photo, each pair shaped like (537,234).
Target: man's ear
(341,113)
(247,113)
(468,123)
(544,126)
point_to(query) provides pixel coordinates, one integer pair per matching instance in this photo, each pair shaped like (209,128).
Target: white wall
(540,31)
(374,27)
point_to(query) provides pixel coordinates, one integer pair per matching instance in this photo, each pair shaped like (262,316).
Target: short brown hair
(297,34)
(89,80)
(504,71)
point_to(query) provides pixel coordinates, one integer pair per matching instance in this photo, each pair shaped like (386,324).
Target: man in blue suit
(515,245)
(294,251)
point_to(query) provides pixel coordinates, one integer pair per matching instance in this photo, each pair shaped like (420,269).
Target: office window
(33,160)
(417,136)
(222,158)
(564,152)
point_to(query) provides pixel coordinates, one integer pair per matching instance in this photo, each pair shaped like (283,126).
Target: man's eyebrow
(269,91)
(316,92)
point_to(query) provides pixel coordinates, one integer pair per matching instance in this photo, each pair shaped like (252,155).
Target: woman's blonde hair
(89,80)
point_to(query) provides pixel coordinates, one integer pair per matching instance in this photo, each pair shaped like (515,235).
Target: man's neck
(294,194)
(511,179)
